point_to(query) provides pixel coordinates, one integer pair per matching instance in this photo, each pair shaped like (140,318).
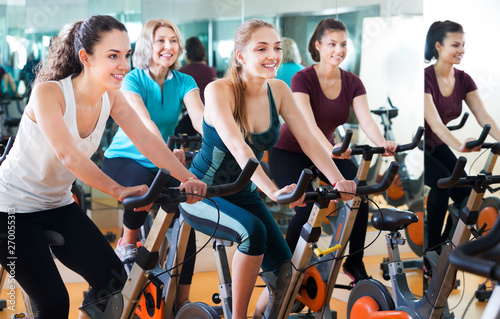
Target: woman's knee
(253,240)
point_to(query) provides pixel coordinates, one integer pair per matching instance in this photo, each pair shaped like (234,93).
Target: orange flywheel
(312,292)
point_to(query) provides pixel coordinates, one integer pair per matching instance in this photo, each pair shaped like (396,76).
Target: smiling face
(453,48)
(165,47)
(333,47)
(262,54)
(110,60)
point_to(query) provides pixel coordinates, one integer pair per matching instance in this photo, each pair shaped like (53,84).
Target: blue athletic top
(214,164)
(287,71)
(164,109)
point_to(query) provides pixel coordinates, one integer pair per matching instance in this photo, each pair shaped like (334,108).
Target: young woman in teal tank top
(240,122)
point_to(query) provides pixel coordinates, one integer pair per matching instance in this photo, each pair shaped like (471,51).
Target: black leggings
(127,172)
(85,251)
(286,168)
(439,163)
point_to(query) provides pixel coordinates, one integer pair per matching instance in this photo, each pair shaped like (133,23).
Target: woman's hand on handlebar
(289,189)
(390,147)
(464,149)
(196,187)
(181,156)
(345,155)
(135,191)
(346,188)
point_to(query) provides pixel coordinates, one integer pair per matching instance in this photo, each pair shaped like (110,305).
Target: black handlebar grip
(455,175)
(482,137)
(238,184)
(461,124)
(154,191)
(345,143)
(304,179)
(464,257)
(389,177)
(172,139)
(414,143)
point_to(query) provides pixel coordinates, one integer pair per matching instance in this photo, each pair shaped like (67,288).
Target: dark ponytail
(437,33)
(63,60)
(327,24)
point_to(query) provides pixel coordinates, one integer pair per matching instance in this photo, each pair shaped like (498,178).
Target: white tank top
(32,178)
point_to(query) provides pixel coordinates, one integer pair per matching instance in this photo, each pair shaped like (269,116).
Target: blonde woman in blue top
(292,61)
(156,91)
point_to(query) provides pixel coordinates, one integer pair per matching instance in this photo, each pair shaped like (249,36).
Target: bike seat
(392,219)
(53,238)
(391,113)
(222,242)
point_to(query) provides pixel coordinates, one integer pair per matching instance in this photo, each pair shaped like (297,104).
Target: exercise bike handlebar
(482,137)
(304,179)
(461,124)
(212,191)
(185,140)
(334,194)
(154,191)
(453,179)
(414,142)
(345,143)
(456,179)
(464,257)
(367,149)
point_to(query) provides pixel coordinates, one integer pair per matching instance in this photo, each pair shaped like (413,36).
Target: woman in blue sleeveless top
(240,122)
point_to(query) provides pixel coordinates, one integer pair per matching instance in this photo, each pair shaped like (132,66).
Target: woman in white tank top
(74,93)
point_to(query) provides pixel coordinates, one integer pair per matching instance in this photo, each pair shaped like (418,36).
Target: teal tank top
(215,165)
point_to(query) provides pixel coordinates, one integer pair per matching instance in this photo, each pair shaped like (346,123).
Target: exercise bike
(284,287)
(406,189)
(371,299)
(152,301)
(123,304)
(482,257)
(320,280)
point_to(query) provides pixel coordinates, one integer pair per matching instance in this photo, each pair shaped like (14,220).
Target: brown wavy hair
(63,60)
(234,73)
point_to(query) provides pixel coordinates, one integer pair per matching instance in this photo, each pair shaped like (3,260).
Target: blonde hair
(234,73)
(290,51)
(144,45)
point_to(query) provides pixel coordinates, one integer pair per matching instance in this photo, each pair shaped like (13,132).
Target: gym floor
(205,282)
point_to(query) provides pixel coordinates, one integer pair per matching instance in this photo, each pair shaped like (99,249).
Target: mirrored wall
(26,26)
(385,42)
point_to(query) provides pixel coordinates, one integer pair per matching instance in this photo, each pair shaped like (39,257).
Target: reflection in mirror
(462,76)
(479,22)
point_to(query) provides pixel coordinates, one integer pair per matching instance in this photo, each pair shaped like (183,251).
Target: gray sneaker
(127,254)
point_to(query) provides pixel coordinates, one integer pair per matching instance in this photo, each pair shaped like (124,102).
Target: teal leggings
(243,219)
